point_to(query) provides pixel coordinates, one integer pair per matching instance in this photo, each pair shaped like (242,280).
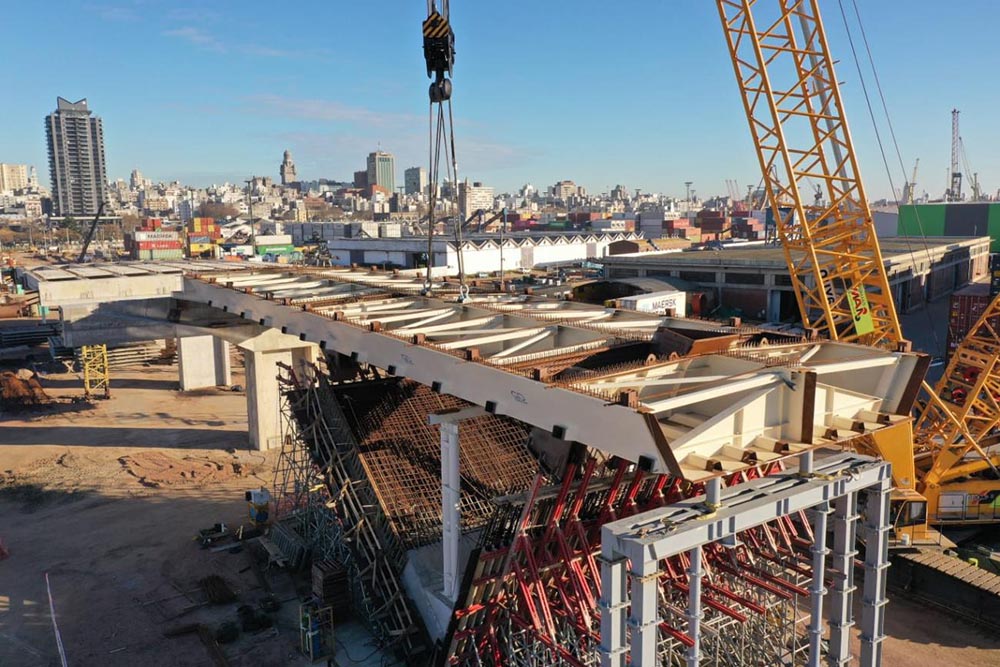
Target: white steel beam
(605,412)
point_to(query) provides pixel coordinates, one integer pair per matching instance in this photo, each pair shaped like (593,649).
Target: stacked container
(159,244)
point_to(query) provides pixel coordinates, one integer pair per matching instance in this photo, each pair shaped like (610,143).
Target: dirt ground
(107,499)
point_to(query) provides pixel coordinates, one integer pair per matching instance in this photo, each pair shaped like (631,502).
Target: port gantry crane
(793,104)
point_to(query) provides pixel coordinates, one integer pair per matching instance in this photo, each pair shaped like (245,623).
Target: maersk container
(156,236)
(656,302)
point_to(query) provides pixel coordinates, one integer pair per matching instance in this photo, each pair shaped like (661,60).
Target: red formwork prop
(545,579)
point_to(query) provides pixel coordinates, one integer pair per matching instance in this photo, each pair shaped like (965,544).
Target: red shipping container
(967,305)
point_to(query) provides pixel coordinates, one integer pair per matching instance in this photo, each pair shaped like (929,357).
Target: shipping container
(160,254)
(158,245)
(275,249)
(200,248)
(273,239)
(140,235)
(656,302)
(967,305)
(994,275)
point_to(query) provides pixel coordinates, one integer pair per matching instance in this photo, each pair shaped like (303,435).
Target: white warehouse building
(480,253)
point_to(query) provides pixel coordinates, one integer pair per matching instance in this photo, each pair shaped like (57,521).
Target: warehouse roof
(894,250)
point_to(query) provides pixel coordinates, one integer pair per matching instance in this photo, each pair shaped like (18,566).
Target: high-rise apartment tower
(76,158)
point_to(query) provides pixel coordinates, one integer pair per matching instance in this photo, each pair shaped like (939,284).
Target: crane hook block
(439,46)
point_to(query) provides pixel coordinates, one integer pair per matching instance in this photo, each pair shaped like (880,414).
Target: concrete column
(613,603)
(263,399)
(694,607)
(451,484)
(451,518)
(196,362)
(203,361)
(645,619)
(876,563)
(304,360)
(842,572)
(223,362)
(818,589)
(263,353)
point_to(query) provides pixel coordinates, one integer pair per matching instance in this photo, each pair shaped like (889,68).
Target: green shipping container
(921,220)
(993,223)
(952,219)
(283,249)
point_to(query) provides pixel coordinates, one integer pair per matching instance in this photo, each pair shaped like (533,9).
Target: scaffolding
(323,494)
(96,373)
(535,594)
(736,619)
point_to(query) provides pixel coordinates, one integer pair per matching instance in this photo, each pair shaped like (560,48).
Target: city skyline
(660,112)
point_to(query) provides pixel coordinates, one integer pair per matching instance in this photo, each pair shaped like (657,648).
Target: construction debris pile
(19,389)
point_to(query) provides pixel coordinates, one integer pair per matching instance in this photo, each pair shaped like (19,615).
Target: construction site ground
(106,498)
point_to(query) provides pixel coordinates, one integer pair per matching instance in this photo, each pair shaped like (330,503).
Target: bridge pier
(262,355)
(203,361)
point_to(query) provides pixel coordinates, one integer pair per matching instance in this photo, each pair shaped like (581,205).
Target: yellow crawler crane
(957,451)
(793,104)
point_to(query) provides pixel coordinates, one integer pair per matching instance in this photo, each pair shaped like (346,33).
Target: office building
(473,197)
(382,171)
(137,181)
(13,177)
(76,158)
(563,190)
(288,175)
(415,180)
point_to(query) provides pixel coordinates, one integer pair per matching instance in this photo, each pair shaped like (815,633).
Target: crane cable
(878,137)
(439,52)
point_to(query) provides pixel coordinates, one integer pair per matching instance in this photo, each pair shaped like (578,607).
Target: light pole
(253,230)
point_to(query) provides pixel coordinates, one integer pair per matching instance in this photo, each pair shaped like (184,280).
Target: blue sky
(639,93)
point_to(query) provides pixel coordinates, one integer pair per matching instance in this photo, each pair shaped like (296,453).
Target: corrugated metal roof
(658,284)
(896,249)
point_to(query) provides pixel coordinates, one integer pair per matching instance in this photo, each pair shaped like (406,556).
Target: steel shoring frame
(793,105)
(651,539)
(753,596)
(348,523)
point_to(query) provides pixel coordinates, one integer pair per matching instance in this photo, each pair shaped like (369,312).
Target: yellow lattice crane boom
(957,432)
(783,65)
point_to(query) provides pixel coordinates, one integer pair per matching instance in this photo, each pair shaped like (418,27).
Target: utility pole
(253,230)
(503,225)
